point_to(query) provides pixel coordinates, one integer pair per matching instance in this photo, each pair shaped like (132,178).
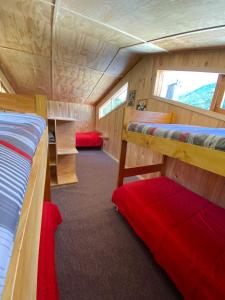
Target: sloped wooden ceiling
(76,50)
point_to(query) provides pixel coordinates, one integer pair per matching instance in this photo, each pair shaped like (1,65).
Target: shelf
(104,137)
(62,152)
(67,151)
(62,119)
(67,179)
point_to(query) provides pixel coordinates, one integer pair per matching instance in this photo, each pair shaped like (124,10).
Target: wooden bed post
(163,169)
(41,104)
(122,161)
(133,115)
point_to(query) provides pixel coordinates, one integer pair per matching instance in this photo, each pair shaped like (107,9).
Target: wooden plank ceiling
(76,50)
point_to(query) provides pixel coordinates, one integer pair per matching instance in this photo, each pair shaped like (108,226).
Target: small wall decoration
(131,98)
(141,104)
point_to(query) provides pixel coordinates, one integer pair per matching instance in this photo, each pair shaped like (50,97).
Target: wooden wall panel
(142,78)
(207,184)
(84,114)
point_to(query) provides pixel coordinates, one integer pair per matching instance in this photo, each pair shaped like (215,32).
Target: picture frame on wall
(141,104)
(131,98)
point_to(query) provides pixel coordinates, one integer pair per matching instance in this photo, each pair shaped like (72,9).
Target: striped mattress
(19,137)
(208,137)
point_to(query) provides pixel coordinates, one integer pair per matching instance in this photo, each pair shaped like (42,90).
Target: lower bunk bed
(185,233)
(88,139)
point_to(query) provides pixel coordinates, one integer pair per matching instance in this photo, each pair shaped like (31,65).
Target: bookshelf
(62,151)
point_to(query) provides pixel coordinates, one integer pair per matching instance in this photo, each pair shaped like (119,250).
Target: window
(116,100)
(192,88)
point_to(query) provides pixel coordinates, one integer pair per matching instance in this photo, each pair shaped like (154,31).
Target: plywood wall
(141,78)
(84,114)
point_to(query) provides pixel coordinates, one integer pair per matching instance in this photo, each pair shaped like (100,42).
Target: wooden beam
(202,157)
(142,170)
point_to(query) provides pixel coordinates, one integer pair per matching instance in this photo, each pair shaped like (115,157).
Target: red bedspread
(47,288)
(88,139)
(185,233)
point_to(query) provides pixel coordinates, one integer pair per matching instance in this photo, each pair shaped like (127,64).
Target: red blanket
(47,288)
(185,232)
(88,139)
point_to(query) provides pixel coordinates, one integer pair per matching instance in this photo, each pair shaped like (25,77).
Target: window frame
(113,97)
(216,99)
(218,95)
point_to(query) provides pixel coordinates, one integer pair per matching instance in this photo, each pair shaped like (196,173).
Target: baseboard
(111,156)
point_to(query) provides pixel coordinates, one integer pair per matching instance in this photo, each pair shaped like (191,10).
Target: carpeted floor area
(98,256)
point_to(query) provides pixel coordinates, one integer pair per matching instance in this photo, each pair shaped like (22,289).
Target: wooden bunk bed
(206,158)
(184,231)
(21,279)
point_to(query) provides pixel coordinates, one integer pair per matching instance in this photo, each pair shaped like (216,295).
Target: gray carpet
(98,256)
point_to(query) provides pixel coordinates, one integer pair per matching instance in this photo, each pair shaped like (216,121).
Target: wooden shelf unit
(62,152)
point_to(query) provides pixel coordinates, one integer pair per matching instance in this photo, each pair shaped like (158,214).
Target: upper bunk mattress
(19,137)
(213,138)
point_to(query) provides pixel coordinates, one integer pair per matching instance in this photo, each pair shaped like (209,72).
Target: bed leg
(122,161)
(163,170)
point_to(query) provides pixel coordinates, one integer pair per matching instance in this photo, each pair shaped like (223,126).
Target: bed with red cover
(47,288)
(185,233)
(88,139)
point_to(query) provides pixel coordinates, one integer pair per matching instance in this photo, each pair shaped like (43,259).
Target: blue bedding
(19,137)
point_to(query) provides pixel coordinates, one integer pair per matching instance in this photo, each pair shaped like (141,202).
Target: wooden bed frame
(204,158)
(21,280)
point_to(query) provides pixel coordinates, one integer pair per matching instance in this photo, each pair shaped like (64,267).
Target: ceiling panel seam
(50,58)
(53,34)
(111,61)
(103,24)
